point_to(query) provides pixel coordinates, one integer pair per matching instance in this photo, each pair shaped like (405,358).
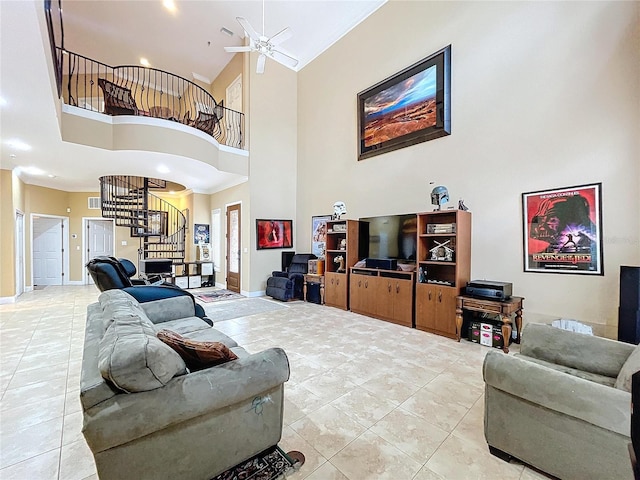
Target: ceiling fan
(265,46)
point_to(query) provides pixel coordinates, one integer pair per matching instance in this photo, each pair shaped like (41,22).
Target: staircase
(160,226)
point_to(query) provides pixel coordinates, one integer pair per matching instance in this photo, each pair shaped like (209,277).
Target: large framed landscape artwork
(563,230)
(410,107)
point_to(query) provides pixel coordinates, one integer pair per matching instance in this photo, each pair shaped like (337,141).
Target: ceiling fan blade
(248,28)
(261,61)
(281,36)
(284,58)
(246,48)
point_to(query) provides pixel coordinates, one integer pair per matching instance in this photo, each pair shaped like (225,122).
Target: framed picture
(156,223)
(563,230)
(274,234)
(201,233)
(319,234)
(410,107)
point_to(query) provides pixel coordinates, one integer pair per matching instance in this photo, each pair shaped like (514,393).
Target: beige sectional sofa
(562,404)
(147,417)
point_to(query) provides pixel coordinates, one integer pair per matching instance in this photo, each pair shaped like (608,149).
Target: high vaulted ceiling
(184,42)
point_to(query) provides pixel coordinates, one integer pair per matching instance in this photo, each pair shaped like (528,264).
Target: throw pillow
(197,355)
(631,366)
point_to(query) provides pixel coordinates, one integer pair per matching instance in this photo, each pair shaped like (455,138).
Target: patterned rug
(217,295)
(269,465)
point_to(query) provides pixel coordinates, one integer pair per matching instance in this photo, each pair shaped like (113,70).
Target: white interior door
(99,241)
(19,253)
(234,102)
(47,251)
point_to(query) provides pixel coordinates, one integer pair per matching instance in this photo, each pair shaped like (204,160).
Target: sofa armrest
(600,405)
(127,417)
(576,350)
(280,274)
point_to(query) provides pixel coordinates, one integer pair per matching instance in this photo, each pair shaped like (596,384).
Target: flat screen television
(393,237)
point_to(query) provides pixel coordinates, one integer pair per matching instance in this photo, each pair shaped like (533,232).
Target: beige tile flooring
(366,399)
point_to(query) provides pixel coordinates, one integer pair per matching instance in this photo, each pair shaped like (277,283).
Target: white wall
(544,95)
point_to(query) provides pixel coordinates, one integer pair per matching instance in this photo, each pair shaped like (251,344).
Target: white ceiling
(119,33)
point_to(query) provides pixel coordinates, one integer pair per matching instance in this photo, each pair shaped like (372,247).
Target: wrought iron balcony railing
(149,92)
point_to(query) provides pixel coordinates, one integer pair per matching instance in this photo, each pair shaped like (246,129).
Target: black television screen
(393,236)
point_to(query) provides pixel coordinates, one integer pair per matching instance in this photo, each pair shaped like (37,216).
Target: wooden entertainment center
(424,298)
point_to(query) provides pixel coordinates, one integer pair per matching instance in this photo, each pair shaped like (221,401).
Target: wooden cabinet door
(402,293)
(335,290)
(357,293)
(383,297)
(445,310)
(425,306)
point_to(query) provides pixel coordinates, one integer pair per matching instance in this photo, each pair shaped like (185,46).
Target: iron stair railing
(160,226)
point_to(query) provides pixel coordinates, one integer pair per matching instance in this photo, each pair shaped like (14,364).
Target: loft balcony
(138,108)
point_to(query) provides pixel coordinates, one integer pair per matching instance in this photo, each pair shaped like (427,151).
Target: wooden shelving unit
(347,239)
(441,274)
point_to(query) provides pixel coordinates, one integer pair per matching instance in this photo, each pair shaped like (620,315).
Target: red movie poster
(562,230)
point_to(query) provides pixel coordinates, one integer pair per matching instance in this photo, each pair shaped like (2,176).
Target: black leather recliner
(289,285)
(109,273)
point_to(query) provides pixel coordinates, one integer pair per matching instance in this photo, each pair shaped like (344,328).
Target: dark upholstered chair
(208,123)
(117,100)
(108,273)
(289,285)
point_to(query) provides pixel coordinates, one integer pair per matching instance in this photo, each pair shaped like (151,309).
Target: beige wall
(7,235)
(228,75)
(273,164)
(544,95)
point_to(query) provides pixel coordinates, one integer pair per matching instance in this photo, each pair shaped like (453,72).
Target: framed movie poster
(563,230)
(200,233)
(319,234)
(274,234)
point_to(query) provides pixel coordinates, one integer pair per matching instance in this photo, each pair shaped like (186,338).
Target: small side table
(503,308)
(314,278)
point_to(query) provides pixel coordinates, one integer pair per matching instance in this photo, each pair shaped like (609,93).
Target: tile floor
(366,399)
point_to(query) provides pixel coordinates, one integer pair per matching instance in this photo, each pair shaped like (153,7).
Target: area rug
(217,295)
(241,308)
(269,465)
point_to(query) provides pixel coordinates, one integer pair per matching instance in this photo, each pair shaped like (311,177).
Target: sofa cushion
(592,377)
(197,355)
(631,366)
(212,335)
(116,303)
(133,359)
(184,325)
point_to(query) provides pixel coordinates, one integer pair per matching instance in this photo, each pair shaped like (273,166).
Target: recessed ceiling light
(13,155)
(18,145)
(172,192)
(169,5)
(51,175)
(226,31)
(163,169)
(144,62)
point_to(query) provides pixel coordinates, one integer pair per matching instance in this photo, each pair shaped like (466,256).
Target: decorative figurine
(439,196)
(462,206)
(340,261)
(343,244)
(441,253)
(339,209)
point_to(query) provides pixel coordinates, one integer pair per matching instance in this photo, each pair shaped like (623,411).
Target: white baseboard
(260,293)
(28,288)
(5,300)
(75,282)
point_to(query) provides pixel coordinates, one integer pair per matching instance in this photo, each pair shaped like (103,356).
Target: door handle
(389,287)
(366,284)
(359,283)
(429,295)
(440,296)
(397,288)
(332,281)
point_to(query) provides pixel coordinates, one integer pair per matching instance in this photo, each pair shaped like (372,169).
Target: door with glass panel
(233,248)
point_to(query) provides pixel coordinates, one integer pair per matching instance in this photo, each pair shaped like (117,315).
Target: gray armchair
(563,404)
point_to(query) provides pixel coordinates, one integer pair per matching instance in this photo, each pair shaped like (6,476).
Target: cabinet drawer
(483,306)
